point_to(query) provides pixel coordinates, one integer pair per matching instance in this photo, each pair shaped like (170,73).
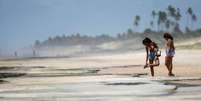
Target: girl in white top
(170,52)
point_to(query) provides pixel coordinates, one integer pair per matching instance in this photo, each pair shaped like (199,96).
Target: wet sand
(119,77)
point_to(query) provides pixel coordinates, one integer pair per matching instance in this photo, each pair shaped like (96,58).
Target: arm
(146,55)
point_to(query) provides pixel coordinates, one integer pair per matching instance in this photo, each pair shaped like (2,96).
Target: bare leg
(151,67)
(167,63)
(170,68)
(152,70)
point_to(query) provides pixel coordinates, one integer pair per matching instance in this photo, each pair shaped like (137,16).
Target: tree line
(167,20)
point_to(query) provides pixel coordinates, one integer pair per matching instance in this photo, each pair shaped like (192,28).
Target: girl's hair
(168,36)
(146,41)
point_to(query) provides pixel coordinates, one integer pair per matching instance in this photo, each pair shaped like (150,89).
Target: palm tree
(171,16)
(129,33)
(37,43)
(177,19)
(189,14)
(190,11)
(178,15)
(167,24)
(153,13)
(159,20)
(174,17)
(162,17)
(152,24)
(194,18)
(171,11)
(136,21)
(177,28)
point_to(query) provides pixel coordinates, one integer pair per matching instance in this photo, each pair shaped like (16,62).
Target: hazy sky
(24,21)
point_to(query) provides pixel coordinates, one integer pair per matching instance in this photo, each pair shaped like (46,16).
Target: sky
(24,21)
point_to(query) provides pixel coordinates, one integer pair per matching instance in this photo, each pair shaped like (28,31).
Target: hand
(145,66)
(146,63)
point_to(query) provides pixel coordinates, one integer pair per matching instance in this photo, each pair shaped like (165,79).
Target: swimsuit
(170,52)
(152,48)
(152,55)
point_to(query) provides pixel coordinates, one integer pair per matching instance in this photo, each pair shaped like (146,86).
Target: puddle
(103,87)
(6,75)
(127,83)
(38,83)
(183,81)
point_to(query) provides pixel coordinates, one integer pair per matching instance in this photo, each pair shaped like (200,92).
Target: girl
(151,54)
(170,52)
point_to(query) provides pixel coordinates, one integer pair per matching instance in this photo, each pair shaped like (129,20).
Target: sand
(103,77)
(186,63)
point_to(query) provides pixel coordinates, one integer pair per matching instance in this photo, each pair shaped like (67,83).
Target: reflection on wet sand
(79,84)
(107,81)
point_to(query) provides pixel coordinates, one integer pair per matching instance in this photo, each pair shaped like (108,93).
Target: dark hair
(168,36)
(146,41)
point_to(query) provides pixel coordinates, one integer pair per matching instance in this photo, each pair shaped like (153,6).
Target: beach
(100,77)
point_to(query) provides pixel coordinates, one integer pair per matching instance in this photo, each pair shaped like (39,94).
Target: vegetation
(162,21)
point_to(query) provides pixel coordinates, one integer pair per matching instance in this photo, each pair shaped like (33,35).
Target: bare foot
(171,74)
